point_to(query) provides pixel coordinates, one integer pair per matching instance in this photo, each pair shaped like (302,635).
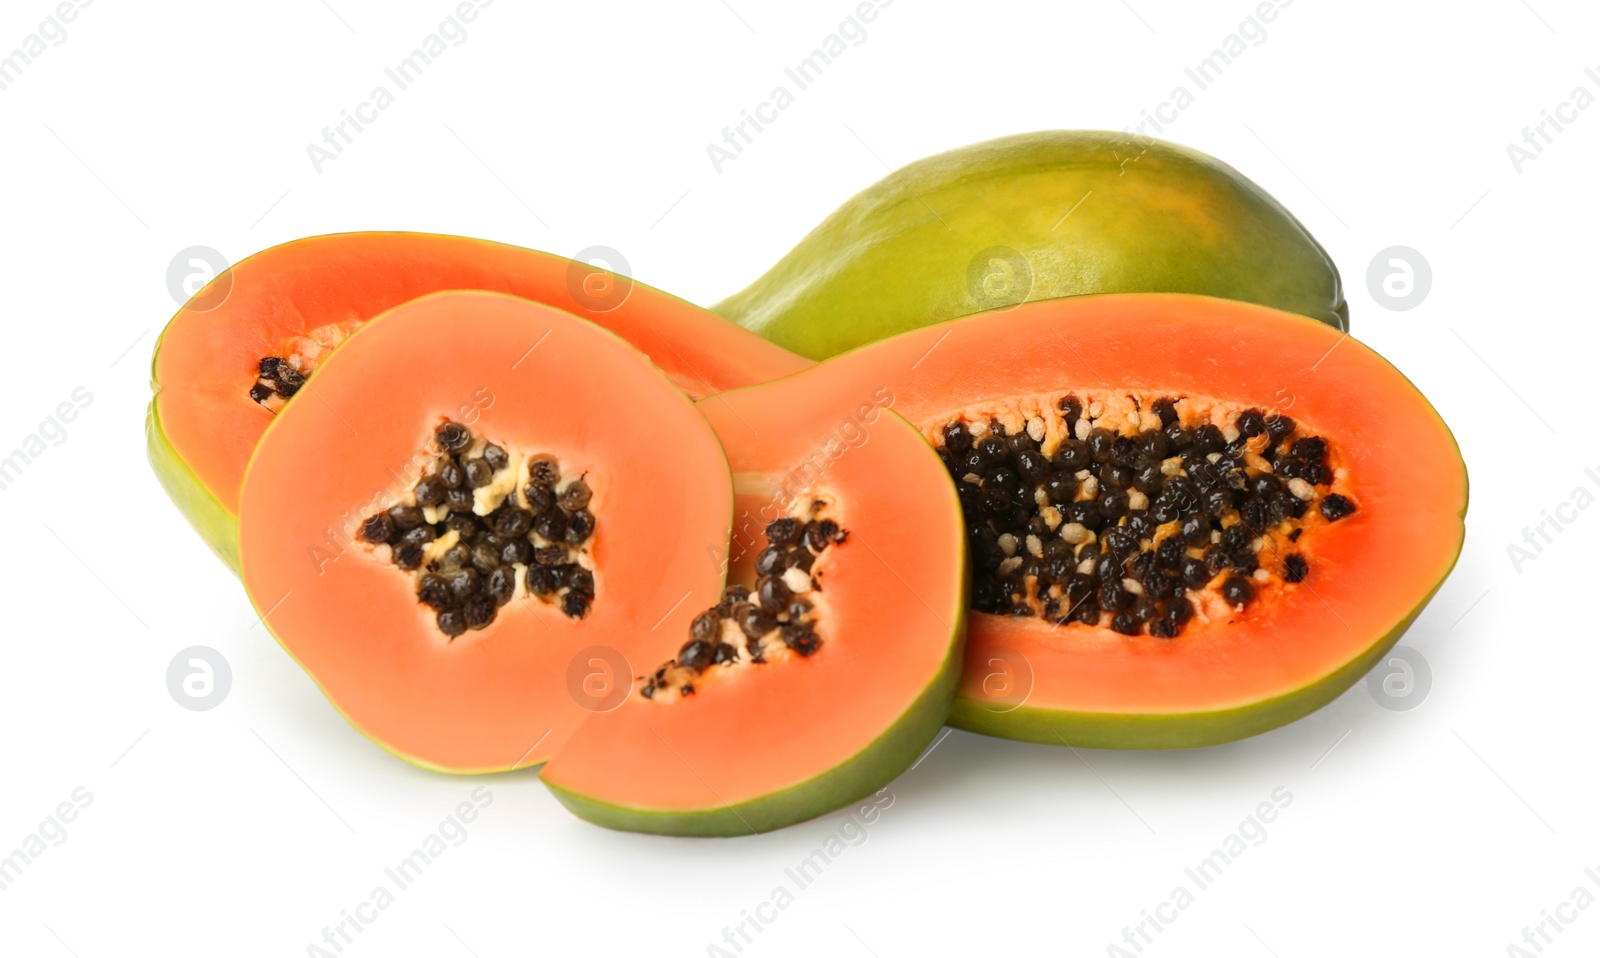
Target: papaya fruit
(847,599)
(1190,520)
(440,581)
(1031,217)
(236,352)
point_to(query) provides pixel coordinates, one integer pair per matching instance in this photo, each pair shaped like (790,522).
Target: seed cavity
(1136,513)
(473,540)
(280,375)
(776,621)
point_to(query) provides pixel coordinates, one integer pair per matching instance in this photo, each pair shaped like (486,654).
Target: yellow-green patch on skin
(863,774)
(1083,212)
(216,525)
(1178,729)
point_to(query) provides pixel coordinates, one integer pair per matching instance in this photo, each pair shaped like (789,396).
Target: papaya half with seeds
(441,582)
(829,663)
(254,336)
(1190,520)
(1032,217)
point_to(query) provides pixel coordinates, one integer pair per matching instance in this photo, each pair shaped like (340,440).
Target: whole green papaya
(1036,216)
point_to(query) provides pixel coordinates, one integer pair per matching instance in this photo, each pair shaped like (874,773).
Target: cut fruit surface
(830,661)
(1191,520)
(436,576)
(250,340)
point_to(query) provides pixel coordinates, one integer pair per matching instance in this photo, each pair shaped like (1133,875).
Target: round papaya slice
(439,577)
(829,662)
(1190,520)
(249,341)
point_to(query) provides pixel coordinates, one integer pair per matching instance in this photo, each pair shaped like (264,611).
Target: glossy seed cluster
(276,377)
(1125,527)
(473,539)
(748,626)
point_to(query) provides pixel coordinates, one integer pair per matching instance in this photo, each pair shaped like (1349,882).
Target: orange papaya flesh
(297,301)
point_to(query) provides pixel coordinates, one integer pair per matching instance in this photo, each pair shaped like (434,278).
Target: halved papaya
(829,663)
(250,338)
(440,580)
(1191,520)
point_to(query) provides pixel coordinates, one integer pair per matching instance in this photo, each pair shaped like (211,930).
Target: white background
(244,830)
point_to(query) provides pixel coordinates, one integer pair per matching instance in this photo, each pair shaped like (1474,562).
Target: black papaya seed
(580,526)
(772,594)
(782,531)
(502,584)
(434,592)
(575,605)
(956,439)
(479,611)
(801,640)
(695,654)
(429,492)
(576,496)
(1336,507)
(706,626)
(478,473)
(1294,567)
(452,436)
(451,622)
(544,471)
(552,525)
(408,556)
(464,583)
(496,457)
(1238,590)
(379,528)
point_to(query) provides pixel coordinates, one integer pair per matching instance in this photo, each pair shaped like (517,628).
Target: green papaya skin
(1030,217)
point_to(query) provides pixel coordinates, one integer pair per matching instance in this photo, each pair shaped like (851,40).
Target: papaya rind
(1172,730)
(863,774)
(896,256)
(215,524)
(859,776)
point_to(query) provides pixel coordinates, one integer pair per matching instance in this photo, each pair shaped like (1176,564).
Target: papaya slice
(248,341)
(1191,520)
(829,663)
(1030,217)
(438,579)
